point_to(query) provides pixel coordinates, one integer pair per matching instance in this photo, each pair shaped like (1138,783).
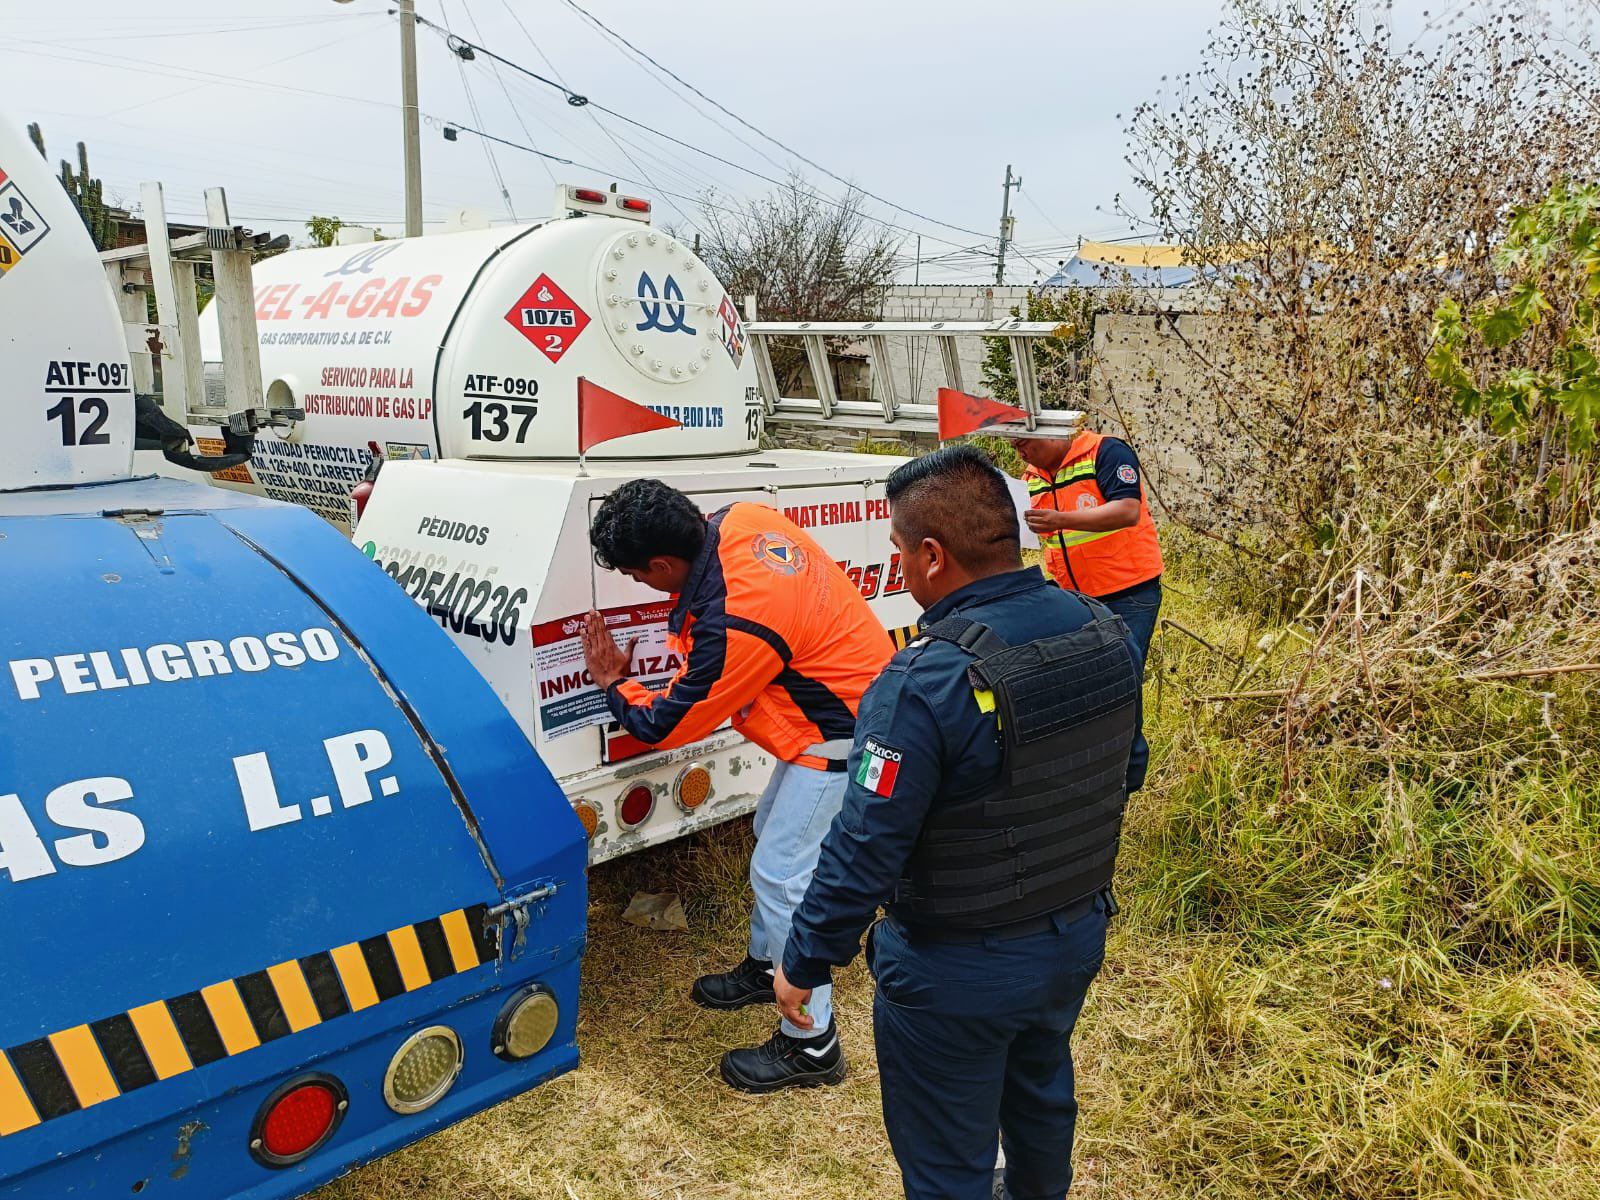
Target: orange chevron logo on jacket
(772,634)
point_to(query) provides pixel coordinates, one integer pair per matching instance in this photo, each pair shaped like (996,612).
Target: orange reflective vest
(773,634)
(1097,564)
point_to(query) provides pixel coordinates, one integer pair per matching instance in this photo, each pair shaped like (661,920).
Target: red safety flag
(960,413)
(604,415)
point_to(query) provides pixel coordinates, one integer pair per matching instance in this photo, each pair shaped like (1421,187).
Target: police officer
(1090,513)
(991,764)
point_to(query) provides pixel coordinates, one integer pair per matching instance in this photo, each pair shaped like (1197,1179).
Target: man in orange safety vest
(1088,507)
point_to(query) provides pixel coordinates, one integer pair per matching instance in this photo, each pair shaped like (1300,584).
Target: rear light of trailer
(587,195)
(297,1120)
(633,204)
(588,817)
(527,1023)
(423,1069)
(359,495)
(635,806)
(692,788)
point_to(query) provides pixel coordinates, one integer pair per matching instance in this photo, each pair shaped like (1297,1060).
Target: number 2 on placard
(552,343)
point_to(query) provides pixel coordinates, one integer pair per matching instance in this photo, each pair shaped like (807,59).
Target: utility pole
(408,100)
(409,120)
(1008,223)
(917,278)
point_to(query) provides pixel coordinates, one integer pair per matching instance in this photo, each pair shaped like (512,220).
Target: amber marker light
(692,788)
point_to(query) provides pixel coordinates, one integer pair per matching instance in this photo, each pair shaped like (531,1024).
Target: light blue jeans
(792,817)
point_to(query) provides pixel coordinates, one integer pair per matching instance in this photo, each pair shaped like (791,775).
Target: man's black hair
(959,497)
(645,519)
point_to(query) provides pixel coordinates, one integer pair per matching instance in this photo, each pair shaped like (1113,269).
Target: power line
(275,23)
(511,104)
(472,103)
(660,166)
(458,127)
(598,125)
(1034,204)
(144,67)
(633,60)
(576,100)
(127,108)
(587,15)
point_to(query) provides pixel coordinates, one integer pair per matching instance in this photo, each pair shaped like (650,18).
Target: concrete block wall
(1145,387)
(950,302)
(805,435)
(917,369)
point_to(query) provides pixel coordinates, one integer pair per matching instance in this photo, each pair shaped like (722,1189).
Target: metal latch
(147,527)
(517,904)
(527,895)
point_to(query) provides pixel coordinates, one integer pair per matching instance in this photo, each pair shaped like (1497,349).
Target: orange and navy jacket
(1097,470)
(772,634)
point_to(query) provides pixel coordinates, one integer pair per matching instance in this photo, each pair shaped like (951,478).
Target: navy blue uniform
(1116,471)
(972,1035)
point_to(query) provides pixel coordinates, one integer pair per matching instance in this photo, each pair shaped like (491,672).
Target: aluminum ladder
(889,410)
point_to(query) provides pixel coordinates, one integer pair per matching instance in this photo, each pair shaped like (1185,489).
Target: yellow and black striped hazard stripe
(903,636)
(83,1065)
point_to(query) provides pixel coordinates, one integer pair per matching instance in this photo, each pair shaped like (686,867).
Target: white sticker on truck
(568,697)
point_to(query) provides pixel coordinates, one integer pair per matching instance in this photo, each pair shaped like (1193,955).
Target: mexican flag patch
(880,765)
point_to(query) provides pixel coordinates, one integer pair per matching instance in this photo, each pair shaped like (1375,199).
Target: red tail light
(633,204)
(589,195)
(359,495)
(635,806)
(297,1119)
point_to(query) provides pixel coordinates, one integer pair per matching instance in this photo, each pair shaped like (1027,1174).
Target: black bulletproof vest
(1045,833)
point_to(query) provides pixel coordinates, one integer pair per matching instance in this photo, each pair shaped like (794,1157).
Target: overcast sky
(294,108)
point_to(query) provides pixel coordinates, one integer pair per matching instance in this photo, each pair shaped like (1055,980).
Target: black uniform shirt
(921,740)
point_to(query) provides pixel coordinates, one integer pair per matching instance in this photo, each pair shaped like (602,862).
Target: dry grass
(1382,984)
(646,1115)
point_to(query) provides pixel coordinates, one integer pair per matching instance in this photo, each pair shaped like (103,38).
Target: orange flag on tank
(604,415)
(960,413)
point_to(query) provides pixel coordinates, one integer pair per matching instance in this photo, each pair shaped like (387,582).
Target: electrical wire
(512,105)
(127,108)
(703,201)
(587,15)
(563,83)
(536,98)
(275,23)
(657,77)
(116,62)
(472,103)
(1036,208)
(576,100)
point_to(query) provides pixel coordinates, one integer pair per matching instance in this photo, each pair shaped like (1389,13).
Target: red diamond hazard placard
(548,318)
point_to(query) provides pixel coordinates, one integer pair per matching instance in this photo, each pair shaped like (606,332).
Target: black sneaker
(748,983)
(783,1061)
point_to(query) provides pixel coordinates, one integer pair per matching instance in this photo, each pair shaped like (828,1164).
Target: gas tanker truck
(284,888)
(455,360)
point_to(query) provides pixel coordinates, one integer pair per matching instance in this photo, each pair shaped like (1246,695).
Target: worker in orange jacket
(774,636)
(1089,509)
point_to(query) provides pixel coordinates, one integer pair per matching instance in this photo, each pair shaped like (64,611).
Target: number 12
(93,433)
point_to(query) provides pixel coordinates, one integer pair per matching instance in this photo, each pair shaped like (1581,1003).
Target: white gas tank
(66,391)
(470,345)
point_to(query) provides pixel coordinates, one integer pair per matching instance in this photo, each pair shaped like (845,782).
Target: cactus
(86,192)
